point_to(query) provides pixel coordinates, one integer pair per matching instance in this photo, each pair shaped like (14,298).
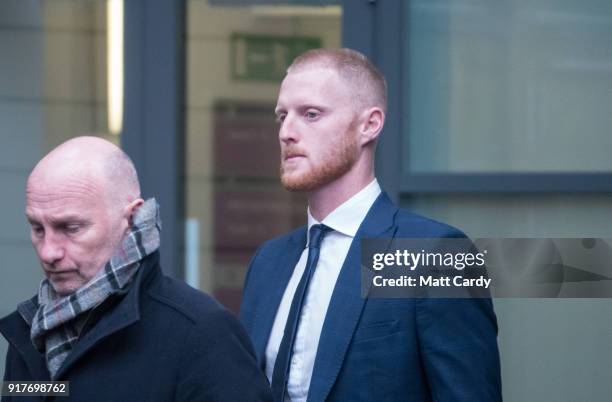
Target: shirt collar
(347,218)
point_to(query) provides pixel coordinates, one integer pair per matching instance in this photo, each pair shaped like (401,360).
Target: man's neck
(327,198)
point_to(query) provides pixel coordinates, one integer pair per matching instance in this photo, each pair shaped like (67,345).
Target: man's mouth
(60,273)
(293,156)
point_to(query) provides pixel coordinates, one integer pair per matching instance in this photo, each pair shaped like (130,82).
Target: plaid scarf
(56,322)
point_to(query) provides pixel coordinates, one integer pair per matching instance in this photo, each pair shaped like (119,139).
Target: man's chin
(298,183)
(312,180)
(64,287)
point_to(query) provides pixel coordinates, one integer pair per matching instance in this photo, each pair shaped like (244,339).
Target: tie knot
(316,233)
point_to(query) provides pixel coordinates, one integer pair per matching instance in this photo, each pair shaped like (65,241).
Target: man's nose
(288,130)
(50,250)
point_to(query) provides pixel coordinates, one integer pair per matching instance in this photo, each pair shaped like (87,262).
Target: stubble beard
(336,162)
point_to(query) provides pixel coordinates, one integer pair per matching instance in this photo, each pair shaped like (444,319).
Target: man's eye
(38,230)
(280,118)
(72,229)
(312,115)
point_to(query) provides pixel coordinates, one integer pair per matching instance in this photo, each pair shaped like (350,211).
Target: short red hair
(366,80)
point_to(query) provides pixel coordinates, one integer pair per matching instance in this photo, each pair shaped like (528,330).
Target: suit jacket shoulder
(410,224)
(273,249)
(278,243)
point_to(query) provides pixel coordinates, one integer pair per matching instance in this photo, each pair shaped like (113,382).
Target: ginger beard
(337,159)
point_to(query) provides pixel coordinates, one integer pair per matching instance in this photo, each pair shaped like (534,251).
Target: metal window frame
(377,28)
(154,123)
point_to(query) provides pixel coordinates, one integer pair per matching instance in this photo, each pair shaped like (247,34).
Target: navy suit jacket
(382,349)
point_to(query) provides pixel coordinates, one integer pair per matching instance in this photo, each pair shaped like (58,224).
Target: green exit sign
(265,57)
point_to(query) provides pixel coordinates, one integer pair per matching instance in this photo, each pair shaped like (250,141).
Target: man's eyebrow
(307,106)
(60,220)
(32,220)
(66,218)
(302,107)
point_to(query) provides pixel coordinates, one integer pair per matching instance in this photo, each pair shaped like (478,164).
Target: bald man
(315,336)
(105,318)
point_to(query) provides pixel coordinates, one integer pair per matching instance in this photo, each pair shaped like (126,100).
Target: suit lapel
(275,276)
(346,303)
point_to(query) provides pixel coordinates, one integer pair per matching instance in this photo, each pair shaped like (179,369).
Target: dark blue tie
(280,375)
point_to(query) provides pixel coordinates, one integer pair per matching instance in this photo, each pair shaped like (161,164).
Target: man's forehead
(76,195)
(309,75)
(62,201)
(61,216)
(319,84)
(71,187)
(60,206)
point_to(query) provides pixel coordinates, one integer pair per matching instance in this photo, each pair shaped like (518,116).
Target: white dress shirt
(344,220)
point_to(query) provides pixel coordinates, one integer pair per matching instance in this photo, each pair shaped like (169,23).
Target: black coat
(161,341)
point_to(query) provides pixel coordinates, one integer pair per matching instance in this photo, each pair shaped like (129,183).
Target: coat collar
(17,333)
(121,315)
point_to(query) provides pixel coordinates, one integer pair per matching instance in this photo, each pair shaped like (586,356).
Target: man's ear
(131,208)
(372,122)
